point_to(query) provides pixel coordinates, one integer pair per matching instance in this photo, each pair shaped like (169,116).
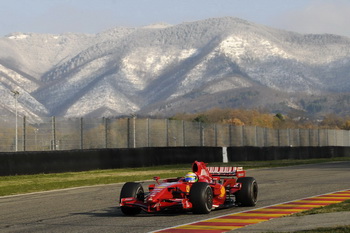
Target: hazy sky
(93,16)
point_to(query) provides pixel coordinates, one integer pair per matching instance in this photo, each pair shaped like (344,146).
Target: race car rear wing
(227,171)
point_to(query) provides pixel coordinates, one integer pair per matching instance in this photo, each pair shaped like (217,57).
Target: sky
(94,16)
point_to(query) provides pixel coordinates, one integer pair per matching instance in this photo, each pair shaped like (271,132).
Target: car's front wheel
(201,197)
(131,189)
(248,195)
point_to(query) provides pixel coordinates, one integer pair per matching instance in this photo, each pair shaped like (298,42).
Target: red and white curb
(234,221)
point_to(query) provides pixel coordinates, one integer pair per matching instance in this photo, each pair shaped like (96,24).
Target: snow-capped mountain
(163,69)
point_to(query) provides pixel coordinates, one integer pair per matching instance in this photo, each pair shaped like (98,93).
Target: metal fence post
(256,136)
(148,134)
(132,144)
(242,135)
(167,132)
(105,120)
(53,129)
(215,135)
(24,133)
(229,135)
(134,131)
(81,134)
(128,132)
(183,134)
(201,134)
(309,132)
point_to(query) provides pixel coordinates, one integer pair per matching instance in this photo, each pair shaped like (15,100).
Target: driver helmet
(191,177)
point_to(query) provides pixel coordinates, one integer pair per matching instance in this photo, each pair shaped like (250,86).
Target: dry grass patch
(32,183)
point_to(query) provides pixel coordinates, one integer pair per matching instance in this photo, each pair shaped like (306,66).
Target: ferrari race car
(204,189)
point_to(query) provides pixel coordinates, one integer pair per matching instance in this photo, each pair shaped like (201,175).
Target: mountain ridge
(165,69)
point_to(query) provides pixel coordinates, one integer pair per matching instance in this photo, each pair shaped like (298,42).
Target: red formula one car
(205,189)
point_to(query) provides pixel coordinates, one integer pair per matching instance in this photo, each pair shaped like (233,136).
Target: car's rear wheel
(131,189)
(248,195)
(201,197)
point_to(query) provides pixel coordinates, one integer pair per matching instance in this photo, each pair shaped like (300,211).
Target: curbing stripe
(234,221)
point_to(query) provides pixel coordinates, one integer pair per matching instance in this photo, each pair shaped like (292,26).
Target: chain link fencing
(57,133)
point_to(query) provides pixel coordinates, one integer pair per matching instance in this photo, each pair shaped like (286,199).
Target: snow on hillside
(163,68)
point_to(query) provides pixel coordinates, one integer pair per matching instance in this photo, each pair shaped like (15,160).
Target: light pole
(15,94)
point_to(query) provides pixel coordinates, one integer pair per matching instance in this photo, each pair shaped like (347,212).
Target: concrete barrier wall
(277,153)
(20,163)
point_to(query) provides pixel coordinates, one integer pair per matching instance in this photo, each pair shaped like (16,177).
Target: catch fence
(88,133)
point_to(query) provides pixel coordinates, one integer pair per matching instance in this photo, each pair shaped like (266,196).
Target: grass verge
(342,206)
(19,184)
(340,229)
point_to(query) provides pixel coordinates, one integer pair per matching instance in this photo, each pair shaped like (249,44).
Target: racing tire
(131,189)
(201,197)
(248,195)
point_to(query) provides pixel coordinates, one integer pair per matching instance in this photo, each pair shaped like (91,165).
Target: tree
(201,119)
(279,116)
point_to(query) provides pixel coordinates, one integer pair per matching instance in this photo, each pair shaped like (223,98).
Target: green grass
(342,206)
(340,229)
(10,185)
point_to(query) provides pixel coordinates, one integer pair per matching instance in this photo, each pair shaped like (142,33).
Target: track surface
(94,209)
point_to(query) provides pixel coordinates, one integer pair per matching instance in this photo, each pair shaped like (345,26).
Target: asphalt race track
(95,209)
